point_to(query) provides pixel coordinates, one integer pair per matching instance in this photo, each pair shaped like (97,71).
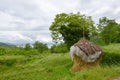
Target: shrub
(41,47)
(27,46)
(111,54)
(110,58)
(4,50)
(60,48)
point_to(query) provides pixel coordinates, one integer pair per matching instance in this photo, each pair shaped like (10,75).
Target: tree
(40,46)
(109,30)
(116,38)
(27,46)
(71,27)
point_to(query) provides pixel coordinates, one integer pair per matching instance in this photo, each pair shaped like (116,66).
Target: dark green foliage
(110,59)
(60,48)
(111,54)
(27,46)
(71,27)
(7,62)
(40,46)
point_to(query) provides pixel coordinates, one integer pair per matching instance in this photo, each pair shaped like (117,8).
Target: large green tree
(109,30)
(71,27)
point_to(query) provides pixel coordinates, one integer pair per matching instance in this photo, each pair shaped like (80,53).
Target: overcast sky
(25,21)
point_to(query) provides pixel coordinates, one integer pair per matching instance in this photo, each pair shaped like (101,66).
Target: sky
(27,21)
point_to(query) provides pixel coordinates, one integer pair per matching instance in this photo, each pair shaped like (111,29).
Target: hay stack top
(88,51)
(87,47)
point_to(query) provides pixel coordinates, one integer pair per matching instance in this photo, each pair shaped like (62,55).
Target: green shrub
(18,51)
(97,40)
(110,59)
(27,46)
(41,47)
(60,48)
(4,50)
(111,54)
(9,62)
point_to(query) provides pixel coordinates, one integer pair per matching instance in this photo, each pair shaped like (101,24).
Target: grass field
(57,66)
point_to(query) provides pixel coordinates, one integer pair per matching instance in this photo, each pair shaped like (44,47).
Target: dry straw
(85,54)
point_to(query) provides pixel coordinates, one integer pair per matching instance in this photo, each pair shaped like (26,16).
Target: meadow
(56,66)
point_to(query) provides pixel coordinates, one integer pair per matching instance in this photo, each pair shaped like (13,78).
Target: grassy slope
(57,67)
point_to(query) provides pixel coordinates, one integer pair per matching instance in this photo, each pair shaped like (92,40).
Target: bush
(97,40)
(60,48)
(19,51)
(41,47)
(111,54)
(110,59)
(28,46)
(7,62)
(4,50)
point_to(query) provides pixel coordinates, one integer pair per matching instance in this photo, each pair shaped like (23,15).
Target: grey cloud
(100,8)
(31,19)
(19,8)
(33,34)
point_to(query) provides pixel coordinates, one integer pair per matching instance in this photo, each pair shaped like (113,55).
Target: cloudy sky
(25,21)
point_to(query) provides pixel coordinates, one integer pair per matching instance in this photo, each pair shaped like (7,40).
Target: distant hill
(6,45)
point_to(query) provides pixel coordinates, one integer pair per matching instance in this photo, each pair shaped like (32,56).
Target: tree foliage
(71,27)
(109,30)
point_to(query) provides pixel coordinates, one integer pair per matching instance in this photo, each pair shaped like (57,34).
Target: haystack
(85,54)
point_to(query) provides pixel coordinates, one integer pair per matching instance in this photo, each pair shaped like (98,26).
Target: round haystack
(85,54)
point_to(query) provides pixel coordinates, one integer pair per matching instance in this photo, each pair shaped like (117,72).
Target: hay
(79,64)
(85,54)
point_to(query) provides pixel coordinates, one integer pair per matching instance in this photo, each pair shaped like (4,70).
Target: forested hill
(6,44)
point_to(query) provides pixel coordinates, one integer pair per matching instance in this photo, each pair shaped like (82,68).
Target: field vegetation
(20,64)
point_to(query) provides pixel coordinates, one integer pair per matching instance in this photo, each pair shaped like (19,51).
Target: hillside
(6,44)
(58,66)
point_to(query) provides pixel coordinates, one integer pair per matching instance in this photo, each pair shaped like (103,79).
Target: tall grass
(17,51)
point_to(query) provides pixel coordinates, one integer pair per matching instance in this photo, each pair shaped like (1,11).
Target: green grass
(58,66)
